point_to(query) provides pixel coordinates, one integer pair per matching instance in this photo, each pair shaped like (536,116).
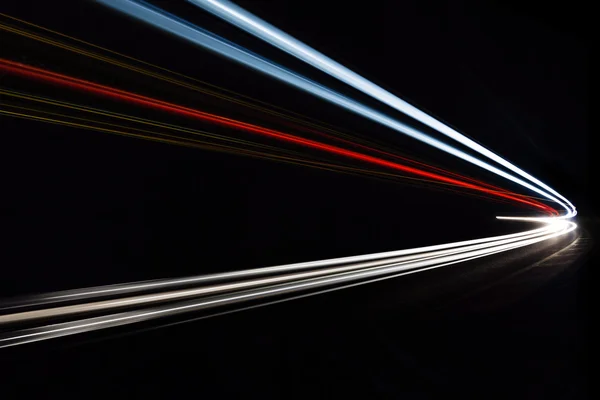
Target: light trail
(137,133)
(299,119)
(173,297)
(77,107)
(241,18)
(340,136)
(142,121)
(183,29)
(252,103)
(259,289)
(170,284)
(121,95)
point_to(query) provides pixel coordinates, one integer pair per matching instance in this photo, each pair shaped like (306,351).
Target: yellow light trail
(198,144)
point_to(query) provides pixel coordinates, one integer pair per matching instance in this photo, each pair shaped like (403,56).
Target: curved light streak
(145,101)
(243,19)
(183,29)
(187,85)
(259,289)
(342,272)
(100,292)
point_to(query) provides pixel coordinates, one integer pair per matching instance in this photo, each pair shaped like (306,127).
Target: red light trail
(121,95)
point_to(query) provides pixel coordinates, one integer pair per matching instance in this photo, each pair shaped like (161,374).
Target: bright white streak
(82,294)
(80,326)
(409,260)
(184,30)
(267,32)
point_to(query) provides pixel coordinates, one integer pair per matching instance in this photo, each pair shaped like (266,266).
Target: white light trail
(180,28)
(170,284)
(345,276)
(408,260)
(175,296)
(241,18)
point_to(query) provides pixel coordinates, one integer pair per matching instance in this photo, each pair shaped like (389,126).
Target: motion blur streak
(167,126)
(199,144)
(147,72)
(65,313)
(198,36)
(241,148)
(301,119)
(263,289)
(379,258)
(117,94)
(254,25)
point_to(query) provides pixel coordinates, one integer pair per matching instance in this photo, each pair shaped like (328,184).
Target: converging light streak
(377,258)
(427,258)
(198,36)
(252,24)
(210,92)
(157,299)
(121,95)
(195,87)
(282,113)
(300,282)
(268,152)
